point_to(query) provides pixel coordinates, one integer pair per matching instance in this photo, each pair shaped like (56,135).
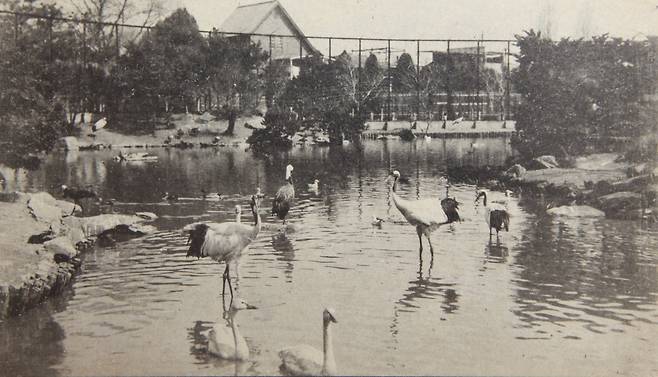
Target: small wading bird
(495,214)
(304,360)
(223,242)
(425,215)
(77,195)
(169,197)
(377,221)
(283,197)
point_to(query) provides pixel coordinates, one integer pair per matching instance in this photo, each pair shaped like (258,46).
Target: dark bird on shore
(495,214)
(77,195)
(284,197)
(169,197)
(223,242)
(425,214)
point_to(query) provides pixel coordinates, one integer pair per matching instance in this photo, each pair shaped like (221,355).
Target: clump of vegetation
(35,85)
(580,95)
(407,134)
(279,129)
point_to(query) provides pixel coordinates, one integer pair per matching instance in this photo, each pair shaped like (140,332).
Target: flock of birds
(226,241)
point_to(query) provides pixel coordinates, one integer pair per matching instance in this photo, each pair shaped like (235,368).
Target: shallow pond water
(554,296)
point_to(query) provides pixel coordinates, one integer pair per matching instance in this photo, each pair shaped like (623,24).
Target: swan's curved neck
(395,184)
(484,198)
(328,363)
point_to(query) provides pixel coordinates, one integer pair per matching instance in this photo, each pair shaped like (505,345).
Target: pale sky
(495,19)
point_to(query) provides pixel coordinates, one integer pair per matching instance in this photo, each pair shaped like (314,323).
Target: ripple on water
(547,290)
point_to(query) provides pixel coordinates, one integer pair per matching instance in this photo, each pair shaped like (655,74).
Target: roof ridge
(259,3)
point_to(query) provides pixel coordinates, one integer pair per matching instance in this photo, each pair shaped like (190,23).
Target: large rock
(47,209)
(516,171)
(619,202)
(95,225)
(543,162)
(635,184)
(62,249)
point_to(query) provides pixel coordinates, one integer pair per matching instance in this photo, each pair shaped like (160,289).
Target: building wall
(282,48)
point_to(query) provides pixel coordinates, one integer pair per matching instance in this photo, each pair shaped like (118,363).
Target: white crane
(426,215)
(223,242)
(304,360)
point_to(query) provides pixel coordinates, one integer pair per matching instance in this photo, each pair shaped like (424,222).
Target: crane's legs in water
(430,242)
(420,238)
(226,277)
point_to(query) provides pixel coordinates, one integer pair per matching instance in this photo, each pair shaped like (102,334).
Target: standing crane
(284,197)
(223,242)
(425,215)
(495,214)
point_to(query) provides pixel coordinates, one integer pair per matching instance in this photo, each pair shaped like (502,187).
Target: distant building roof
(248,19)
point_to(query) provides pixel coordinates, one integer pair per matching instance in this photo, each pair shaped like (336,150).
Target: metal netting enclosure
(393,78)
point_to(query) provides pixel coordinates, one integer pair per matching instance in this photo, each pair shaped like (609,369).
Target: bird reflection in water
(496,252)
(285,252)
(221,343)
(425,287)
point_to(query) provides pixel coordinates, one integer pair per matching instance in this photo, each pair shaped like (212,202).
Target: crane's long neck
(257,223)
(484,198)
(395,184)
(328,363)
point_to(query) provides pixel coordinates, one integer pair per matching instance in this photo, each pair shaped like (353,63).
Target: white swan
(305,360)
(314,186)
(225,340)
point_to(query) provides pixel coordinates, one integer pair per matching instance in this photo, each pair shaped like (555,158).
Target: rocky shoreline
(40,245)
(597,185)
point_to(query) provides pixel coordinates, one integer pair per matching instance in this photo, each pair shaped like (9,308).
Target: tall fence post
(417,79)
(389,81)
(449,99)
(358,82)
(507,86)
(477,86)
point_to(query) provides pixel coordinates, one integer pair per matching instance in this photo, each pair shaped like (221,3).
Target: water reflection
(496,252)
(285,252)
(586,271)
(593,281)
(32,344)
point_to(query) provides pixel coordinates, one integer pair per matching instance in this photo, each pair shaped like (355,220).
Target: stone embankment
(596,184)
(40,246)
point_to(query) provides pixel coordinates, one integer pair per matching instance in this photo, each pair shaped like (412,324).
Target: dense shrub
(579,94)
(277,134)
